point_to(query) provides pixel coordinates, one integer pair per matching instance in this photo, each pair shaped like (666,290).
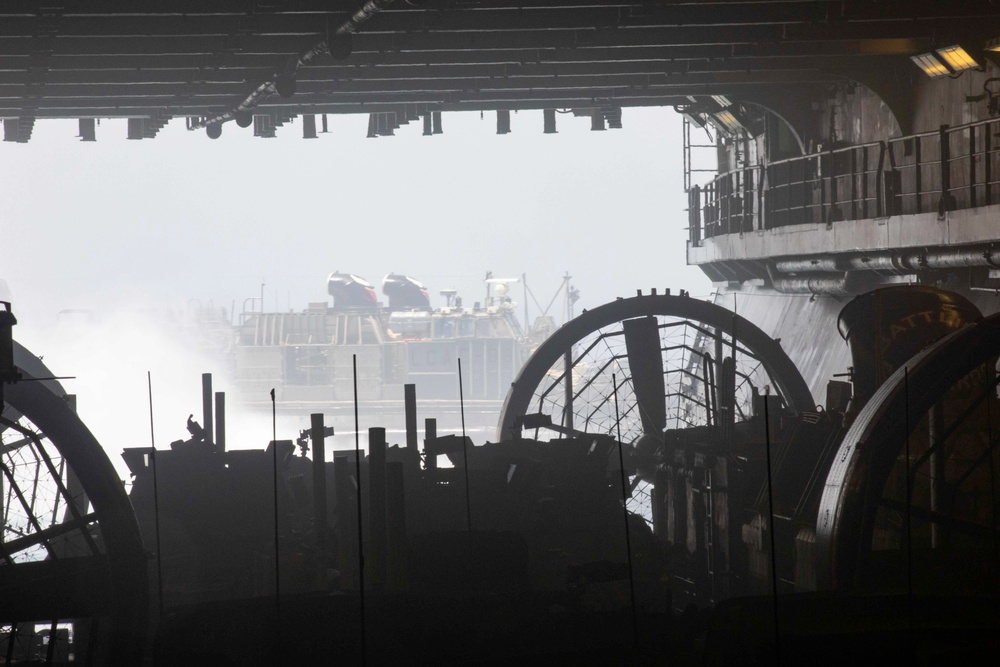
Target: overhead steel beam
(301,17)
(494,38)
(110,83)
(744,57)
(205,98)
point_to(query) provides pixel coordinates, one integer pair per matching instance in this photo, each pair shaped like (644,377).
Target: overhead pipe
(953,258)
(846,283)
(809,265)
(900,263)
(891,263)
(337,44)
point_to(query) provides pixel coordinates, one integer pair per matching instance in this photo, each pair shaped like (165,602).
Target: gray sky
(123,226)
(121,223)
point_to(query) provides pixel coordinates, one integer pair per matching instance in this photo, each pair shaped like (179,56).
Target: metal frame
(869,449)
(777,364)
(120,571)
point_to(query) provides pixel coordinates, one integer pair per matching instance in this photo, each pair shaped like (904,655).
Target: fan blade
(645,361)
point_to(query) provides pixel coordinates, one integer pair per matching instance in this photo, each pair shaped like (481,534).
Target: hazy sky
(122,227)
(137,224)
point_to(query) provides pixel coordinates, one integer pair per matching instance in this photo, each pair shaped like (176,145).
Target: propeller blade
(645,361)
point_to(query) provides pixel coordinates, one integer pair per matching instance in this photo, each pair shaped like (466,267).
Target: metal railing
(948,169)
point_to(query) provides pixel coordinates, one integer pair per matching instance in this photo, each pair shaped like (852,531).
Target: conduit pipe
(909,261)
(846,283)
(336,44)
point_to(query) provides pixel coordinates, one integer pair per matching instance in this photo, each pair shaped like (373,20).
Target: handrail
(925,171)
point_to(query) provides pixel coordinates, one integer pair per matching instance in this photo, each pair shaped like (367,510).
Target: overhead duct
(503,121)
(953,258)
(810,265)
(549,121)
(899,263)
(309,126)
(614,117)
(820,285)
(847,283)
(881,263)
(88,131)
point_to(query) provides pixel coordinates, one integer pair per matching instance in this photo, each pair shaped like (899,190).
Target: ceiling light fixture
(957,58)
(931,65)
(729,120)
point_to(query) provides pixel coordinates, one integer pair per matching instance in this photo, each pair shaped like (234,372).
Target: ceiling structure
(212,61)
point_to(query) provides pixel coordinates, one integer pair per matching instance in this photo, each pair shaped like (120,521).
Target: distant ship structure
(308,356)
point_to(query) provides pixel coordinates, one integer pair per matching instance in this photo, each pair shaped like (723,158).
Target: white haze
(136,233)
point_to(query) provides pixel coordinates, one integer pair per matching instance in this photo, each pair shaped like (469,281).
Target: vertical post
(864,182)
(763,212)
(935,427)
(410,405)
(277,552)
(396,526)
(854,184)
(628,532)
(917,175)
(156,499)
(880,176)
(947,200)
(831,215)
(220,421)
(206,405)
(430,451)
(318,436)
(377,506)
(465,459)
(988,165)
(694,215)
(568,386)
(361,547)
(972,166)
(725,201)
(345,528)
(770,511)
(909,498)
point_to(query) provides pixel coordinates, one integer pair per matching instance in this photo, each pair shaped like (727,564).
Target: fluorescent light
(957,58)
(728,120)
(721,100)
(931,65)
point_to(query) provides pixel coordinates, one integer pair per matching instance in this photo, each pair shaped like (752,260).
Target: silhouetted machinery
(745,480)
(735,485)
(73,582)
